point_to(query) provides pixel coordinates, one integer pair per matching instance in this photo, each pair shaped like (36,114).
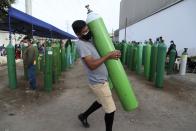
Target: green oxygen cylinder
(172,59)
(55,63)
(131,56)
(36,57)
(42,61)
(48,69)
(144,54)
(147,61)
(74,51)
(24,67)
(119,47)
(134,58)
(69,55)
(66,56)
(124,53)
(11,66)
(139,58)
(59,58)
(104,45)
(128,55)
(63,59)
(39,58)
(110,83)
(161,57)
(153,61)
(121,50)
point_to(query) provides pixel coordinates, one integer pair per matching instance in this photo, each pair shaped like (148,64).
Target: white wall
(176,23)
(4,38)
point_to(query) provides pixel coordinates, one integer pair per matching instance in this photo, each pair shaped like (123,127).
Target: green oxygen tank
(104,45)
(69,55)
(139,58)
(66,56)
(42,61)
(124,53)
(144,54)
(153,61)
(24,67)
(74,51)
(121,50)
(39,59)
(147,61)
(128,55)
(59,59)
(118,46)
(161,56)
(131,56)
(63,57)
(172,59)
(55,63)
(36,57)
(48,69)
(11,66)
(134,57)
(110,83)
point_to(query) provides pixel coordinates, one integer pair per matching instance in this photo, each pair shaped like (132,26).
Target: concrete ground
(172,108)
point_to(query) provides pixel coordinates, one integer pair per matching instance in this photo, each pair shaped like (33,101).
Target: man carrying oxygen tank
(97,74)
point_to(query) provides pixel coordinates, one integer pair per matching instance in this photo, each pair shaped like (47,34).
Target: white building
(172,19)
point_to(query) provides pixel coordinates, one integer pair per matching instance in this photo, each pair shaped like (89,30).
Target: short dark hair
(27,38)
(78,25)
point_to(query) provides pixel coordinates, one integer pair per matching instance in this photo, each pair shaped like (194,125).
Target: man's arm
(95,63)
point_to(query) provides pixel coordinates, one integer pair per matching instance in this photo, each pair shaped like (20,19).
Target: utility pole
(67,25)
(28,7)
(125,29)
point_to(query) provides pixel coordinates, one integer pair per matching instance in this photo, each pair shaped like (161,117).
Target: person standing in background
(29,61)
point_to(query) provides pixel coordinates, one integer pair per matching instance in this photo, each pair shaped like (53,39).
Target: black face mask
(87,37)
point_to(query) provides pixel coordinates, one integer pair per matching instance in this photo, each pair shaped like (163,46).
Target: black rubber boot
(109,118)
(83,120)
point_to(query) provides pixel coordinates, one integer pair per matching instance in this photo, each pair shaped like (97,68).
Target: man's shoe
(83,120)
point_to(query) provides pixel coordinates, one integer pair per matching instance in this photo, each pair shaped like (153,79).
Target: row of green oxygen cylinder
(57,58)
(148,58)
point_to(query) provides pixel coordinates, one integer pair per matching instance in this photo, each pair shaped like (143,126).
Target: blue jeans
(32,77)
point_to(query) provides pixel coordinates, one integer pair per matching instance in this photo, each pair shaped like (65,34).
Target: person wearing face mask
(29,57)
(97,74)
